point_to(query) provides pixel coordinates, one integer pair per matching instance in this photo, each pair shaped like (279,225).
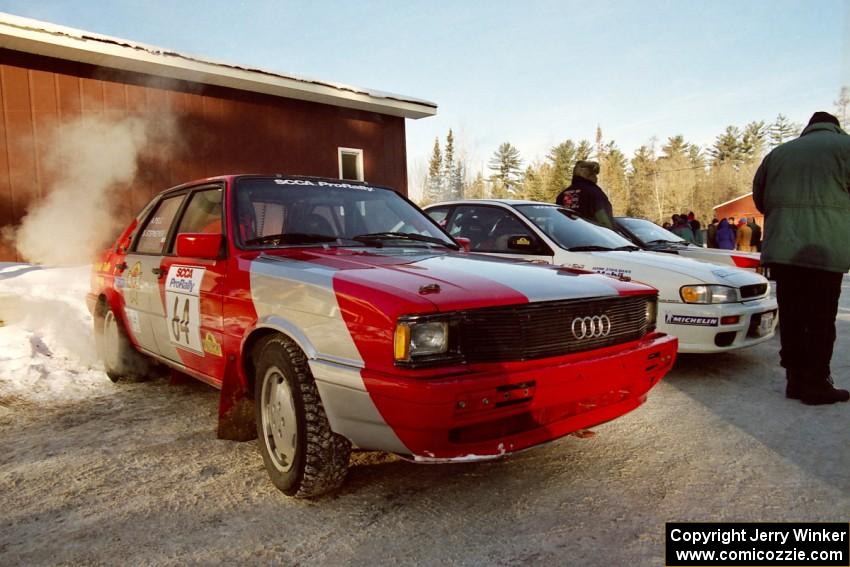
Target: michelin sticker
(183,306)
(691,320)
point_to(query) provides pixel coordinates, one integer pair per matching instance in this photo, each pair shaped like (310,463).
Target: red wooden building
(739,207)
(228,118)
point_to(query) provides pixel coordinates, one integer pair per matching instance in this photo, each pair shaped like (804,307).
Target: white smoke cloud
(92,160)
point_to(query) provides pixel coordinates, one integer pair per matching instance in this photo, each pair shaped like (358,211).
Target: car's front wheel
(303,457)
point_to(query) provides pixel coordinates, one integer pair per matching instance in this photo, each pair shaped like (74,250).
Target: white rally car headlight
(651,313)
(418,339)
(708,294)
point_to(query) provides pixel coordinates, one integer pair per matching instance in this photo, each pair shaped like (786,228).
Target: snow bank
(47,350)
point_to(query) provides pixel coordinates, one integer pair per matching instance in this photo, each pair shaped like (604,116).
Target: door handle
(159,272)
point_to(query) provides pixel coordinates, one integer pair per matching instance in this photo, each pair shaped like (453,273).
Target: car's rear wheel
(303,457)
(120,359)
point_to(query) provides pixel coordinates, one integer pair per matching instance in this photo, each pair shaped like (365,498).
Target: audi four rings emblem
(591,327)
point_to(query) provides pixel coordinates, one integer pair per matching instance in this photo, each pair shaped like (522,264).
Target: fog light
(730,319)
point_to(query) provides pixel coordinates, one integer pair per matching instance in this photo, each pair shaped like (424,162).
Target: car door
(141,279)
(497,231)
(189,328)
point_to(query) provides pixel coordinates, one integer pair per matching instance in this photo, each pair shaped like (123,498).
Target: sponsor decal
(133,319)
(183,307)
(132,283)
(617,272)
(691,320)
(211,345)
(308,183)
(523,241)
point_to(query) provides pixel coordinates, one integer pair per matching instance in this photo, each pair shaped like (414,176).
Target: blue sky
(532,73)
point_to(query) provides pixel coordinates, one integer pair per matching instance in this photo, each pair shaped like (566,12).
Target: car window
(489,228)
(648,231)
(155,233)
(439,215)
(283,212)
(568,230)
(203,213)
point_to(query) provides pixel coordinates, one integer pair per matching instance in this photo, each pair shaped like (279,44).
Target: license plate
(766,324)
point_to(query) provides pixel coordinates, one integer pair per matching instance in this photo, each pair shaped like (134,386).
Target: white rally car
(650,236)
(710,308)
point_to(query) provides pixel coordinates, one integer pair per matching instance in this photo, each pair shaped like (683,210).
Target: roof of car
(234,176)
(492,201)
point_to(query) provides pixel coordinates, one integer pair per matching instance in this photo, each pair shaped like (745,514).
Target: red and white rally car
(335,314)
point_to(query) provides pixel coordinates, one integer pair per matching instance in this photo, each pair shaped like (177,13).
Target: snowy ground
(97,473)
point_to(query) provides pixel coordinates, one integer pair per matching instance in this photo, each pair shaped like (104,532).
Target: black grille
(539,330)
(755,290)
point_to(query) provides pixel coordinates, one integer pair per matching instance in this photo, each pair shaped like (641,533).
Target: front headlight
(651,313)
(418,339)
(708,294)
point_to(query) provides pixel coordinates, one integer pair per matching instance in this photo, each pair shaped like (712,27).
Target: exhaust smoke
(90,159)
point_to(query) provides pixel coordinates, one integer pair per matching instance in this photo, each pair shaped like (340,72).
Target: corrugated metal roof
(51,40)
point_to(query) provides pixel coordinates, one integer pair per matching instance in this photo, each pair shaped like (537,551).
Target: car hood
(654,267)
(422,280)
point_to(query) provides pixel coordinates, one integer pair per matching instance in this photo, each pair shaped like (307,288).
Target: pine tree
(783,130)
(612,175)
(754,141)
(842,107)
(448,169)
(727,147)
(505,164)
(642,185)
(434,182)
(561,158)
(477,189)
(583,151)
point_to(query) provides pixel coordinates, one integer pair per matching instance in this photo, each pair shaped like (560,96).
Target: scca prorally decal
(183,306)
(308,183)
(691,320)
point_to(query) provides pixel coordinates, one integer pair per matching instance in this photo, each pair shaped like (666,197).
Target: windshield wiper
(292,238)
(590,248)
(628,247)
(377,237)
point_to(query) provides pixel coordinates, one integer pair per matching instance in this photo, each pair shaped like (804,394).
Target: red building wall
(739,208)
(218,131)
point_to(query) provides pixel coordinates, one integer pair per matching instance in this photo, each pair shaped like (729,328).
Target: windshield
(271,213)
(649,232)
(570,231)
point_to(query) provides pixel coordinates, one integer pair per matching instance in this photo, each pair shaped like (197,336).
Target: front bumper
(689,322)
(497,409)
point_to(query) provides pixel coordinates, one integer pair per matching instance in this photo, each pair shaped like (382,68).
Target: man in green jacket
(803,188)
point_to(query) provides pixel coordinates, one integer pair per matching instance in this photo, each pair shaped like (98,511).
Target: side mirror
(199,245)
(522,243)
(465,243)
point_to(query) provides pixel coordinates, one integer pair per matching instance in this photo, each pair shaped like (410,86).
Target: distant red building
(230,118)
(739,207)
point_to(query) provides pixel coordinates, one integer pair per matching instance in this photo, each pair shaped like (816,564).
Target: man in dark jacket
(755,239)
(802,188)
(712,234)
(585,197)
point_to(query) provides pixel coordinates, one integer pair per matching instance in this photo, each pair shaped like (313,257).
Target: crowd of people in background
(744,235)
